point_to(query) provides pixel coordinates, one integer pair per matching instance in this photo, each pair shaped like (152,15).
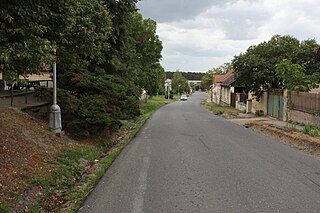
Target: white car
(184,98)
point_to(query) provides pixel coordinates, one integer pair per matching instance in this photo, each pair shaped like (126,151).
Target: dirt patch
(299,141)
(27,152)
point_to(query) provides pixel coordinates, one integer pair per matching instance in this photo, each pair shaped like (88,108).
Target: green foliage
(222,69)
(311,130)
(106,55)
(295,78)
(5,207)
(259,113)
(316,112)
(225,111)
(256,68)
(207,80)
(179,83)
(23,46)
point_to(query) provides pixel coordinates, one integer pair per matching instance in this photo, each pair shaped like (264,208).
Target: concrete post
(249,106)
(55,111)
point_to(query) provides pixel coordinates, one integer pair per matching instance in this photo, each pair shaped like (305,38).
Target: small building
(226,91)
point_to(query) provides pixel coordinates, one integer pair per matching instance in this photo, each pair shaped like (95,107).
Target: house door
(275,104)
(233,99)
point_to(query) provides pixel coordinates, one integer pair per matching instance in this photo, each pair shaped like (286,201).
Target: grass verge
(224,111)
(5,207)
(81,166)
(312,130)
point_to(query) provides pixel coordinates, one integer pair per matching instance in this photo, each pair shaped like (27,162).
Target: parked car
(184,98)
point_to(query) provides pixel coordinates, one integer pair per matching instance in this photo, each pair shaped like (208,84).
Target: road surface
(187,160)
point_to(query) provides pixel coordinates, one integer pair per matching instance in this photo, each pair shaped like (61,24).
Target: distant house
(226,91)
(216,88)
(226,88)
(42,79)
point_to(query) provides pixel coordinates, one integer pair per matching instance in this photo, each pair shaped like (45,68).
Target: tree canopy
(179,83)
(262,66)
(106,54)
(191,76)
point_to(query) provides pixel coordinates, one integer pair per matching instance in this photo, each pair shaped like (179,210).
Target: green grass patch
(71,163)
(153,104)
(224,111)
(312,130)
(5,207)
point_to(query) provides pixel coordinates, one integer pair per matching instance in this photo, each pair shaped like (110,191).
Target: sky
(198,35)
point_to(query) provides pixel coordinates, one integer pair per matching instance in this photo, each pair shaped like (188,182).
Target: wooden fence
(305,102)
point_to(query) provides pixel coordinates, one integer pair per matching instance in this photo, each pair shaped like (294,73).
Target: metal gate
(275,104)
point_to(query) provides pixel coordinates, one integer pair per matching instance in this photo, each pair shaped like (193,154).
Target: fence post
(26,93)
(12,85)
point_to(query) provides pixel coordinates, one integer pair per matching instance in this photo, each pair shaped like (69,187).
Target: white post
(55,112)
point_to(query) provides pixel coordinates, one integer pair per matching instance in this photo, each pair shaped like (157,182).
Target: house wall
(226,96)
(299,116)
(239,105)
(44,76)
(216,93)
(262,104)
(302,117)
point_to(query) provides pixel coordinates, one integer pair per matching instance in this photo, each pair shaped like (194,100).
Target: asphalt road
(188,160)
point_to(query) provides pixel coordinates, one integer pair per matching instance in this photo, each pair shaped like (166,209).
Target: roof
(225,80)
(228,76)
(218,78)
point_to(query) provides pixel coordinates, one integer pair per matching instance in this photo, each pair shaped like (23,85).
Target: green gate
(275,104)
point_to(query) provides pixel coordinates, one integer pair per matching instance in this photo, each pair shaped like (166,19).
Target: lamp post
(179,90)
(55,111)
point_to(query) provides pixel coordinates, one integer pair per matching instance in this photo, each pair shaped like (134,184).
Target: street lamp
(55,111)
(179,90)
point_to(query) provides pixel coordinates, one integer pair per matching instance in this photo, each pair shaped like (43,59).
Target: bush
(130,108)
(94,104)
(316,112)
(311,130)
(259,113)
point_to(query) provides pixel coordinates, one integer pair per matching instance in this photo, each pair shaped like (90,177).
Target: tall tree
(145,54)
(295,77)
(179,83)
(24,49)
(256,68)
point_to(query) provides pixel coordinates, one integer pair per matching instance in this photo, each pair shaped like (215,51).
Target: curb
(293,135)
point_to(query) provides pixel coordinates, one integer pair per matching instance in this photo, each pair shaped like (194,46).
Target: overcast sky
(199,35)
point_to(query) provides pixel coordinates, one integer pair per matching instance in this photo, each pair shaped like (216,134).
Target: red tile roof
(228,75)
(218,78)
(221,78)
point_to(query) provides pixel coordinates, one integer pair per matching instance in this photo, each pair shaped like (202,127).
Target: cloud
(174,10)
(200,35)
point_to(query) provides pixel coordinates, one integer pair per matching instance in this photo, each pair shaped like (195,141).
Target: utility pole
(55,111)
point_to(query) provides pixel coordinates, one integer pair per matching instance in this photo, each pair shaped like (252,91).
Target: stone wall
(302,117)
